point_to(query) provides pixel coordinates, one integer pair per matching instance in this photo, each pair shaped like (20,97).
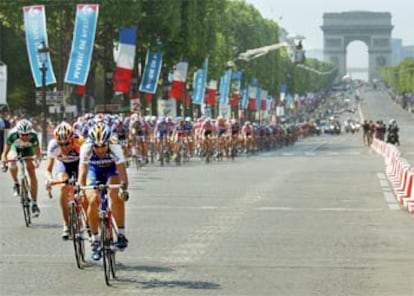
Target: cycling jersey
(101,169)
(221,129)
(235,129)
(24,148)
(68,162)
(179,131)
(120,133)
(161,129)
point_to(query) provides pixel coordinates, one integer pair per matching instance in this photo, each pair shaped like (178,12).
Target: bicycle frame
(108,229)
(24,187)
(76,219)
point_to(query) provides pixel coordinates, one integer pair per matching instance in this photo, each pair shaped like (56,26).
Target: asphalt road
(312,219)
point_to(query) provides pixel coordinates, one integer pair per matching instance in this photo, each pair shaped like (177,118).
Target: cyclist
(178,135)
(63,162)
(103,162)
(23,140)
(160,135)
(120,131)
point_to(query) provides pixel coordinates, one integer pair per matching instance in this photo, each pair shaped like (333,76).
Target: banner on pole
(35,29)
(152,72)
(3,83)
(82,44)
(199,84)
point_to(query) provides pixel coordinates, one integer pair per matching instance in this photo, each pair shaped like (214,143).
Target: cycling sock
(95,237)
(121,230)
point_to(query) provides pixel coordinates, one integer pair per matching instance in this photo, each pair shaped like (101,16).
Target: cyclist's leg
(13,167)
(117,204)
(93,199)
(118,212)
(31,172)
(61,175)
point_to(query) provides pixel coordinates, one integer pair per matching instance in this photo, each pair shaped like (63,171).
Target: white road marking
(394,206)
(384,183)
(381,176)
(389,197)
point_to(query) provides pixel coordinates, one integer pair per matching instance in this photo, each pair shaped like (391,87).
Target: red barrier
(399,173)
(406,195)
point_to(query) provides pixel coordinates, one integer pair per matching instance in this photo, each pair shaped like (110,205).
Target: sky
(305,18)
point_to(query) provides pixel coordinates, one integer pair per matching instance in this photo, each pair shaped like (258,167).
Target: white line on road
(394,206)
(388,194)
(389,197)
(384,183)
(381,176)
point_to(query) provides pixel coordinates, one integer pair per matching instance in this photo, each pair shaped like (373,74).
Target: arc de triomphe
(372,28)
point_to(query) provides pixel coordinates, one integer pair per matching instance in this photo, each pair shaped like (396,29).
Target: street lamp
(43,51)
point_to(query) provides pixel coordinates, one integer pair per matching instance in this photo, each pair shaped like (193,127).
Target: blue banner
(35,27)
(225,87)
(199,84)
(152,72)
(283,88)
(82,44)
(258,98)
(244,98)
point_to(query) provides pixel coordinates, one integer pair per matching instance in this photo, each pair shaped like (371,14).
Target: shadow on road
(45,225)
(196,285)
(156,283)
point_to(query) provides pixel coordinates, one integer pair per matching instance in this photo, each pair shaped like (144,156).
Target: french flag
(125,59)
(211,93)
(178,83)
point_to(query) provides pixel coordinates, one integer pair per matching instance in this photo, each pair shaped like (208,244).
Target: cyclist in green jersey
(23,141)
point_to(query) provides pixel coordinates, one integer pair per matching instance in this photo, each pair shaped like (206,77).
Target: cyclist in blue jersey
(121,132)
(103,162)
(188,130)
(160,134)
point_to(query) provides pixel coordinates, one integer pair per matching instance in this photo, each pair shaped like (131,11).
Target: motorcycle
(393,138)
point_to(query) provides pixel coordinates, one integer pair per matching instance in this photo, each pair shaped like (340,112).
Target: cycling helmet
(24,126)
(100,117)
(63,132)
(188,119)
(100,134)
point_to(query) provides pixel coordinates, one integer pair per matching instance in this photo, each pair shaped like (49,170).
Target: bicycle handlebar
(20,158)
(102,186)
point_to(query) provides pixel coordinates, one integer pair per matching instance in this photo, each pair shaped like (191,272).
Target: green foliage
(193,29)
(400,77)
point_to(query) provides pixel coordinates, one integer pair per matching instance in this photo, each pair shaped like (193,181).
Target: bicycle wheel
(24,194)
(74,229)
(137,162)
(82,230)
(108,254)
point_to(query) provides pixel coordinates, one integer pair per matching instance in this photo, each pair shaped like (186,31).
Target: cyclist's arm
(82,173)
(6,150)
(38,152)
(123,176)
(49,168)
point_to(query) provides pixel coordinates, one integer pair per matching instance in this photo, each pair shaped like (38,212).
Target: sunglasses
(100,146)
(24,135)
(64,143)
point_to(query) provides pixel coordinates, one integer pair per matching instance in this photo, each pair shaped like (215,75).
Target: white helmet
(24,126)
